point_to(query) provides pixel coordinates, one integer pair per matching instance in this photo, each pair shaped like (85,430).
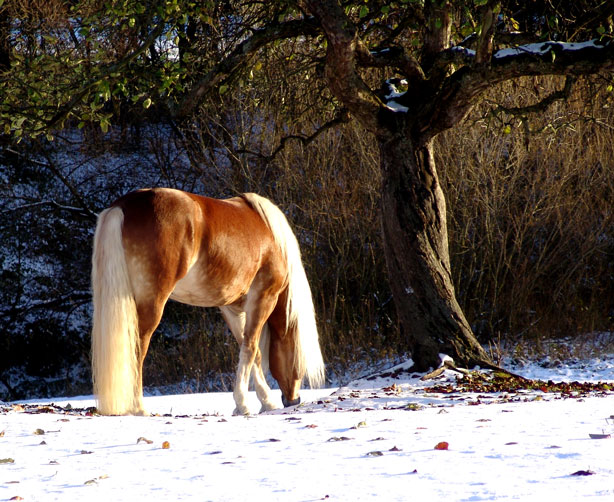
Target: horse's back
(198,250)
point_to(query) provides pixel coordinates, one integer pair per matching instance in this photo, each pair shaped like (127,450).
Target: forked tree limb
(460,92)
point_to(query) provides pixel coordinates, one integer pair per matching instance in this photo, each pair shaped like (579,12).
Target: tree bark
(413,206)
(416,249)
(5,45)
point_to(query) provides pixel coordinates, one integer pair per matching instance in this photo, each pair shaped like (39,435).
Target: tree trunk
(417,256)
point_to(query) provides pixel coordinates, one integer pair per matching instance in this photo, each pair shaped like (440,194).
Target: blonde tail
(300,312)
(115,323)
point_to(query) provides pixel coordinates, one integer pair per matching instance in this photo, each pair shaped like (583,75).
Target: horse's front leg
(247,356)
(263,391)
(258,308)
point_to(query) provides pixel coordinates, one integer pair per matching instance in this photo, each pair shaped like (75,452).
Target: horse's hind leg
(150,314)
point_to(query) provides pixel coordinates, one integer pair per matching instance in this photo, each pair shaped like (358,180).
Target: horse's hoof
(287,403)
(268,406)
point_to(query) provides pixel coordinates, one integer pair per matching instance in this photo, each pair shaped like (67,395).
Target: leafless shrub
(532,229)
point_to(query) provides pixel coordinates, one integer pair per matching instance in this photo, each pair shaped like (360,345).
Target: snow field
(503,451)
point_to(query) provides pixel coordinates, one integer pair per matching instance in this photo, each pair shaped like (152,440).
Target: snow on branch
(544,48)
(463,87)
(391,93)
(461,54)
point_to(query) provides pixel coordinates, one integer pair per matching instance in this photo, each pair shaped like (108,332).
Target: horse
(237,254)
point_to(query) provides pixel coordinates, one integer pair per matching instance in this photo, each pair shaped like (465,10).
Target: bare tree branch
(74,297)
(241,56)
(43,203)
(601,14)
(85,210)
(543,104)
(341,118)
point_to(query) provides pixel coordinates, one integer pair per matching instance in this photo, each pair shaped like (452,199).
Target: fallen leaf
(16,497)
(395,448)
(599,436)
(144,440)
(85,452)
(7,460)
(360,425)
(443,445)
(95,480)
(414,407)
(338,438)
(375,454)
(166,445)
(45,409)
(273,440)
(582,473)
(39,432)
(2,434)
(311,426)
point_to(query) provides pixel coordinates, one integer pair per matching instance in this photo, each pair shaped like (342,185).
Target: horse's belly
(195,289)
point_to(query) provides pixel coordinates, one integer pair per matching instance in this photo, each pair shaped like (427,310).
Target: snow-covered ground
(372,439)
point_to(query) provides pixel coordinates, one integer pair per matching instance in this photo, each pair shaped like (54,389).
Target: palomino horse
(237,254)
